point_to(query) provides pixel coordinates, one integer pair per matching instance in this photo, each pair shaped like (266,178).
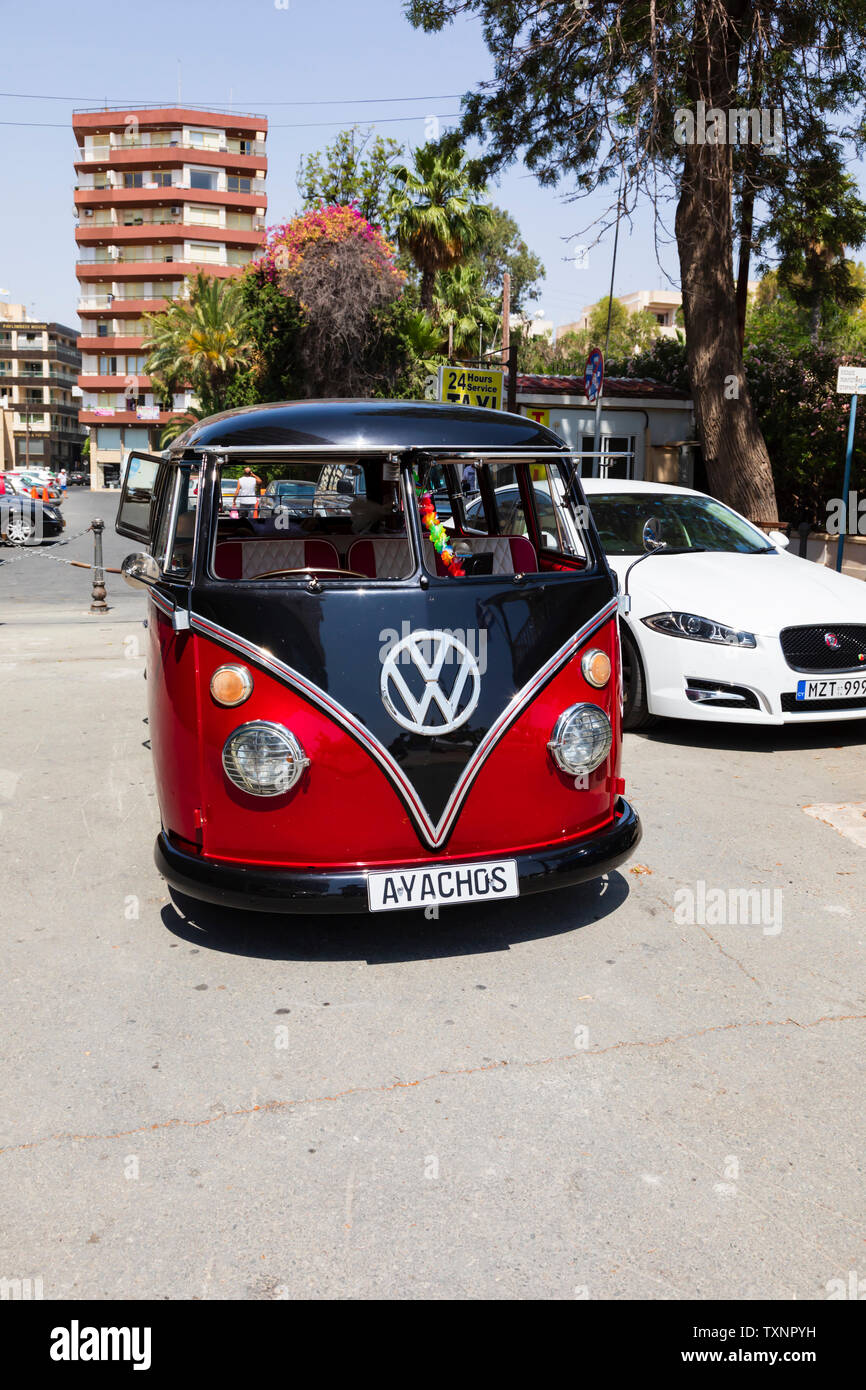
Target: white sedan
(724,624)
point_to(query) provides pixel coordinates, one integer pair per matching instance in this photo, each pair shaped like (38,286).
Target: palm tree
(462,306)
(200,341)
(438,218)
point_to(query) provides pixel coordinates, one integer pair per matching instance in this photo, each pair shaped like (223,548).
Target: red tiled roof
(628,386)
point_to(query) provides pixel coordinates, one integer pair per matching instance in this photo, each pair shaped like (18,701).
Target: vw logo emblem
(832,641)
(427,672)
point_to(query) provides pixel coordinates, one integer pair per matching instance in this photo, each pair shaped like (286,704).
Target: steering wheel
(313,570)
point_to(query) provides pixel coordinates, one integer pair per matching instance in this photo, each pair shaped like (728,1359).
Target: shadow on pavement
(754,738)
(392,937)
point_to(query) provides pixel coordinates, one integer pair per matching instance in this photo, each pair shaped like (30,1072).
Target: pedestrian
(61,478)
(245,492)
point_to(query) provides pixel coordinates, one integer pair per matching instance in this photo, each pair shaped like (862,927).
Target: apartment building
(159,194)
(39,365)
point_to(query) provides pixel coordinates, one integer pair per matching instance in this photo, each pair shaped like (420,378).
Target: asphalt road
(580,1095)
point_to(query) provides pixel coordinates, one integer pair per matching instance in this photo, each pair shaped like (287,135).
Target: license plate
(837,688)
(443,885)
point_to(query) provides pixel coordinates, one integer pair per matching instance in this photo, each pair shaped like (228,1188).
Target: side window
(179,562)
(135,512)
(561,526)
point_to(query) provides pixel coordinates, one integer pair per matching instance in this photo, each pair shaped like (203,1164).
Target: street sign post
(472,386)
(851,379)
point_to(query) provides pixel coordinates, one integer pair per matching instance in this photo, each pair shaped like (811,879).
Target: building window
(205,139)
(205,251)
(202,178)
(237,184)
(103,328)
(610,444)
(133,180)
(161,177)
(201,216)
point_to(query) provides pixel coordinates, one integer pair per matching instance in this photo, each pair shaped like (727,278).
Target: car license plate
(837,688)
(443,885)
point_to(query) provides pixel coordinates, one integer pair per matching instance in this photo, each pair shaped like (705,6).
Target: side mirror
(779,539)
(651,535)
(140,571)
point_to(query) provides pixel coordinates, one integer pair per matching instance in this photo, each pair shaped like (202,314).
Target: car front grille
(791,705)
(808,648)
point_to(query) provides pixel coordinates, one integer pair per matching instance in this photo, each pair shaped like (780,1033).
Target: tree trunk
(735,454)
(747,223)
(428,280)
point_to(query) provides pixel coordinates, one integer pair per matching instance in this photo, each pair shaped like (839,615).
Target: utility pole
(507,349)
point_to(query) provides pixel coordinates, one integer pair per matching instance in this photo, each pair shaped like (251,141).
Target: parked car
(724,624)
(25,482)
(24,520)
(77,478)
(292,496)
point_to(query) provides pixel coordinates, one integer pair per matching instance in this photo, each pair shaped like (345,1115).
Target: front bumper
(673,664)
(257,889)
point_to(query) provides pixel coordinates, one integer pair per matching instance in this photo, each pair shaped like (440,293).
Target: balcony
(240,149)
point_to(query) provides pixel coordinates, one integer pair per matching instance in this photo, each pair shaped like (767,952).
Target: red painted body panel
(345,812)
(173,701)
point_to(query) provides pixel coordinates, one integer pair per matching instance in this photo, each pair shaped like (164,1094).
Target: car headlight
(581,739)
(264,759)
(698,629)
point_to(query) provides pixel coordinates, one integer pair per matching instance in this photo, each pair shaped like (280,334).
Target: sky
(312,67)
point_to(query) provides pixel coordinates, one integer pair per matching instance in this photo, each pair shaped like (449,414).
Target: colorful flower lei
(437,533)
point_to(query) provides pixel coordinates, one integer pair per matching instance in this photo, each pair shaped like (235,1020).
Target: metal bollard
(97,597)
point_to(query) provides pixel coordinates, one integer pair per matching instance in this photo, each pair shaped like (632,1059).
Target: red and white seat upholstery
(380,557)
(244,559)
(511,554)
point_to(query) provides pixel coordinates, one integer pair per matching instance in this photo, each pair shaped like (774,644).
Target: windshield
(347,520)
(684,523)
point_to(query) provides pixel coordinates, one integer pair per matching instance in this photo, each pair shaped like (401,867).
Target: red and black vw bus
(383,664)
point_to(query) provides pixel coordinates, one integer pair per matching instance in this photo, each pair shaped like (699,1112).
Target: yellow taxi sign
(471,386)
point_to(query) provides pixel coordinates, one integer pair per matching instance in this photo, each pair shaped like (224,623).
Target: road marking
(848,817)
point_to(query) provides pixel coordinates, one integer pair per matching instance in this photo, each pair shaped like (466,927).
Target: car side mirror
(140,570)
(651,535)
(779,539)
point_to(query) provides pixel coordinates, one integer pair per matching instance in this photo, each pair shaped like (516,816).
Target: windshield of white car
(684,523)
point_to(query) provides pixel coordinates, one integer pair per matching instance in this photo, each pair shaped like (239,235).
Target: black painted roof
(347,424)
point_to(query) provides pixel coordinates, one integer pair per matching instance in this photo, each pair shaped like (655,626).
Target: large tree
(658,93)
(439,213)
(357,168)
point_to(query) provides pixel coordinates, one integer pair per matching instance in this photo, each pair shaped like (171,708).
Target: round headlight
(595,665)
(581,739)
(231,685)
(264,759)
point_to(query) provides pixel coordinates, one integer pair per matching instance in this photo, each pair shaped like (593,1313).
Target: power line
(291,125)
(218,106)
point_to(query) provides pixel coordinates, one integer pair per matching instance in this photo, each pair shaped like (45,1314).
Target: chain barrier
(22,550)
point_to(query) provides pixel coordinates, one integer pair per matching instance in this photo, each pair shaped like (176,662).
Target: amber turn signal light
(231,685)
(595,665)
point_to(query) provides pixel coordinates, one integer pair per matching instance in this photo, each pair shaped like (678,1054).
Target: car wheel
(20,529)
(635,713)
